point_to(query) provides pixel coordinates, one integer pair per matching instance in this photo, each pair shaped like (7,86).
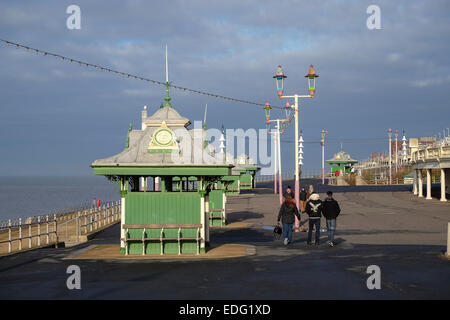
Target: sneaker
(286,240)
(330,243)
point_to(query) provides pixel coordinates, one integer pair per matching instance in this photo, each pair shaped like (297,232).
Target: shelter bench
(161,238)
(221,217)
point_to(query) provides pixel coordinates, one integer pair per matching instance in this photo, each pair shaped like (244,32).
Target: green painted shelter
(341,163)
(168,185)
(243,175)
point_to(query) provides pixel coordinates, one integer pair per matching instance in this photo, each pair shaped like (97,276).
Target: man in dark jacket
(287,214)
(330,211)
(314,211)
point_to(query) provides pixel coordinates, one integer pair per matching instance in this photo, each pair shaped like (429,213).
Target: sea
(22,197)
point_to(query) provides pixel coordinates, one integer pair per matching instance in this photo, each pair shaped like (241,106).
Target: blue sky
(56,118)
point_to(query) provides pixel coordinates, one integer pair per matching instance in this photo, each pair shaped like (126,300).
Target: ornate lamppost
(279,79)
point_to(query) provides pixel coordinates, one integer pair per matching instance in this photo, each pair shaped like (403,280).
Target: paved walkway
(403,235)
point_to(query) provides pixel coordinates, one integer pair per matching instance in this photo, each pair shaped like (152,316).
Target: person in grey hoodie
(314,210)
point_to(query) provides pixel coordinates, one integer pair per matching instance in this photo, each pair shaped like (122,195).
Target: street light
(396,151)
(279,78)
(311,81)
(267,109)
(322,143)
(390,155)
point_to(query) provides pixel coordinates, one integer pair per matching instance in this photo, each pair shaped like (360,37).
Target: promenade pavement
(403,235)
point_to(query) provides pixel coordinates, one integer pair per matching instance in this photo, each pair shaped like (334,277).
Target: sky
(56,118)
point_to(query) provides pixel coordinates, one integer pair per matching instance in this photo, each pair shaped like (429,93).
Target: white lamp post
(277,133)
(390,155)
(404,152)
(324,132)
(279,78)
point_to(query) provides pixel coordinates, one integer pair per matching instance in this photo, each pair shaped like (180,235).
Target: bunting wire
(128,75)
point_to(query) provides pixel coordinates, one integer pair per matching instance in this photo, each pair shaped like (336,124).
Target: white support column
(207,215)
(122,221)
(203,222)
(428,184)
(443,198)
(420,184)
(224,201)
(415,182)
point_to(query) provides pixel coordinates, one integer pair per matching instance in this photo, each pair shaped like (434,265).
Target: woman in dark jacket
(287,214)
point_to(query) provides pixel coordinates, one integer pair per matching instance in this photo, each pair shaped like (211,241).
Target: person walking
(314,211)
(303,200)
(288,212)
(330,211)
(310,192)
(288,192)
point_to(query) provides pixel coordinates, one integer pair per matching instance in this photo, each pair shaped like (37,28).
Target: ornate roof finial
(167,98)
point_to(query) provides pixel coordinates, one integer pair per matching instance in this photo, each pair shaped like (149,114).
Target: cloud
(430,82)
(227,47)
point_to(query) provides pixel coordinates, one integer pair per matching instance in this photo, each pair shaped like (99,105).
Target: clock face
(163,137)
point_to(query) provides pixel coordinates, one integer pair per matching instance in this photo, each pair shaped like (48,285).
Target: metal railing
(30,230)
(67,227)
(435,153)
(290,176)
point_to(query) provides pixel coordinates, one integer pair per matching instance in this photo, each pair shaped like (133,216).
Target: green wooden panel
(216,202)
(246,181)
(162,208)
(233,184)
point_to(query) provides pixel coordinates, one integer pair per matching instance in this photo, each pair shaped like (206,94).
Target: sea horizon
(23,196)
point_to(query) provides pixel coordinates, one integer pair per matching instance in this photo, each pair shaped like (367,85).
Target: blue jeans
(314,223)
(287,231)
(331,227)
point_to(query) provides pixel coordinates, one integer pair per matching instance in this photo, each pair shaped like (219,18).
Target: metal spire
(167,98)
(204,118)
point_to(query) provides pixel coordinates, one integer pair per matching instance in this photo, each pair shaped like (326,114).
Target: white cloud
(429,82)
